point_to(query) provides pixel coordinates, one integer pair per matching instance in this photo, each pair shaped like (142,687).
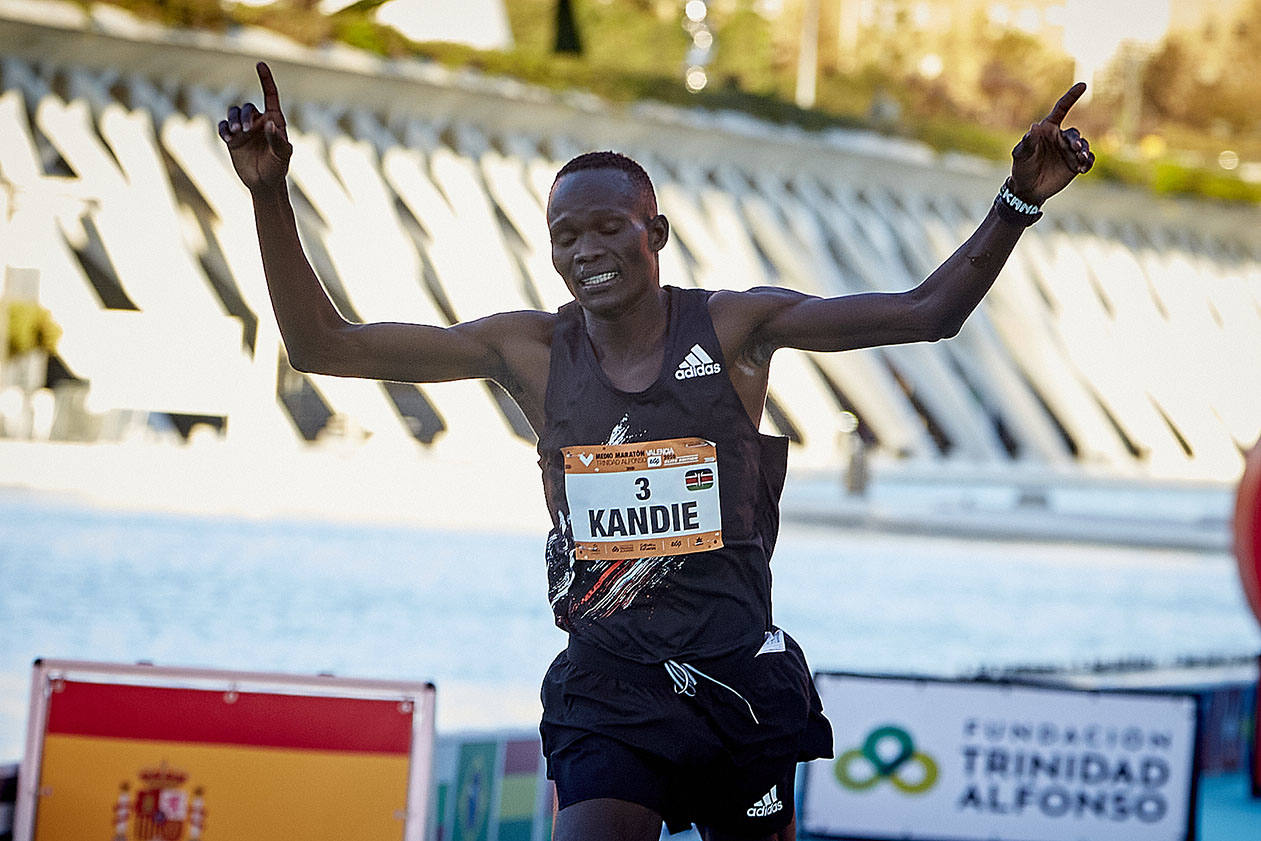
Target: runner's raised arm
(1044,162)
(317,337)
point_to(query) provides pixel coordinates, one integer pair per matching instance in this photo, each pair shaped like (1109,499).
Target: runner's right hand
(257,142)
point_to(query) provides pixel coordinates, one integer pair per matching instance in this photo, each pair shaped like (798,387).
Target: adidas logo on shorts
(697,363)
(768,805)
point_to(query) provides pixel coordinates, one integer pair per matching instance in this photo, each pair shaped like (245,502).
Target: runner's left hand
(1047,158)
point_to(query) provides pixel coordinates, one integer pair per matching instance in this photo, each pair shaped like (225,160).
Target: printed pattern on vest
(606,586)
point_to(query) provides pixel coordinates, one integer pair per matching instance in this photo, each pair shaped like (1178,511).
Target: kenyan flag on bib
(699,480)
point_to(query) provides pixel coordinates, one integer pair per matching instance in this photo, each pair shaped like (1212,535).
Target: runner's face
(605,238)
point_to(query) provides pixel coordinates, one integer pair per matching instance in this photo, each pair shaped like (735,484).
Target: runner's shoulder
(756,299)
(521,341)
(742,313)
(516,328)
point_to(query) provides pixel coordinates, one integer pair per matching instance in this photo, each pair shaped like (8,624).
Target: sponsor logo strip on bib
(643,500)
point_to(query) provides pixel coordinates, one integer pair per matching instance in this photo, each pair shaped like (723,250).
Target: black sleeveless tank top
(655,603)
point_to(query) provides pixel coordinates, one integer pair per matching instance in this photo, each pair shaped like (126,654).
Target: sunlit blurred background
(1051,491)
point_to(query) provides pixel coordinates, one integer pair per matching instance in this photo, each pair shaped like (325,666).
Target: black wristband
(1012,209)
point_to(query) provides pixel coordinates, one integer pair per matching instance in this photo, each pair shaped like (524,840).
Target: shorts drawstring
(684,676)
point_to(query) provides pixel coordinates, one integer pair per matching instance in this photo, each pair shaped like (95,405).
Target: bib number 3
(642,500)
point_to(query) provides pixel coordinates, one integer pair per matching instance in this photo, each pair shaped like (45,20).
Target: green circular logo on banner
(859,769)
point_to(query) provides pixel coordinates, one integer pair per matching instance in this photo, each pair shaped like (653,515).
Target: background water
(469,610)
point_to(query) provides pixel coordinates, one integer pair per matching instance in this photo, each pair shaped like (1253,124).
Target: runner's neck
(630,346)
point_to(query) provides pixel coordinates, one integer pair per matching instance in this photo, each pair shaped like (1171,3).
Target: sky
(1094,29)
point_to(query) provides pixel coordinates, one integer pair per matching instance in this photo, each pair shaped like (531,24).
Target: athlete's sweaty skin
(606,235)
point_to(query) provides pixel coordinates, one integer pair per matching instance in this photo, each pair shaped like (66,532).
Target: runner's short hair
(614,160)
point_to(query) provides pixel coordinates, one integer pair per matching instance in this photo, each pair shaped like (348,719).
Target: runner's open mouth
(598,279)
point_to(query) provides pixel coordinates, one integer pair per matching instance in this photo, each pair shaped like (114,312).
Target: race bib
(643,500)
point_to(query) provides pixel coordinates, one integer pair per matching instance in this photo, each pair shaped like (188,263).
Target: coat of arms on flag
(162,809)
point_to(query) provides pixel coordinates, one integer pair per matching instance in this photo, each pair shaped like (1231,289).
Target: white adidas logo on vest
(768,805)
(697,363)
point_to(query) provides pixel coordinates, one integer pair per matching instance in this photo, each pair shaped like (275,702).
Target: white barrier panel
(951,761)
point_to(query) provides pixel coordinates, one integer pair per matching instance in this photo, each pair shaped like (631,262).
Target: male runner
(676,699)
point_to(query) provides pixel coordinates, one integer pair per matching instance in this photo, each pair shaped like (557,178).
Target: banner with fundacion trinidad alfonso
(971,761)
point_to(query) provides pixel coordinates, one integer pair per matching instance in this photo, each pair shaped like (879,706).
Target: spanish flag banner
(124,762)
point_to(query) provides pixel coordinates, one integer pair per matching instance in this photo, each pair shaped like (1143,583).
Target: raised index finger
(271,96)
(1060,111)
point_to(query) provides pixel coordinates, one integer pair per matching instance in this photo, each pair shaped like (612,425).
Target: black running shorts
(751,802)
(716,743)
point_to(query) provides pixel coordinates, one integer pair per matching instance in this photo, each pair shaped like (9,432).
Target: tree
(567,37)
